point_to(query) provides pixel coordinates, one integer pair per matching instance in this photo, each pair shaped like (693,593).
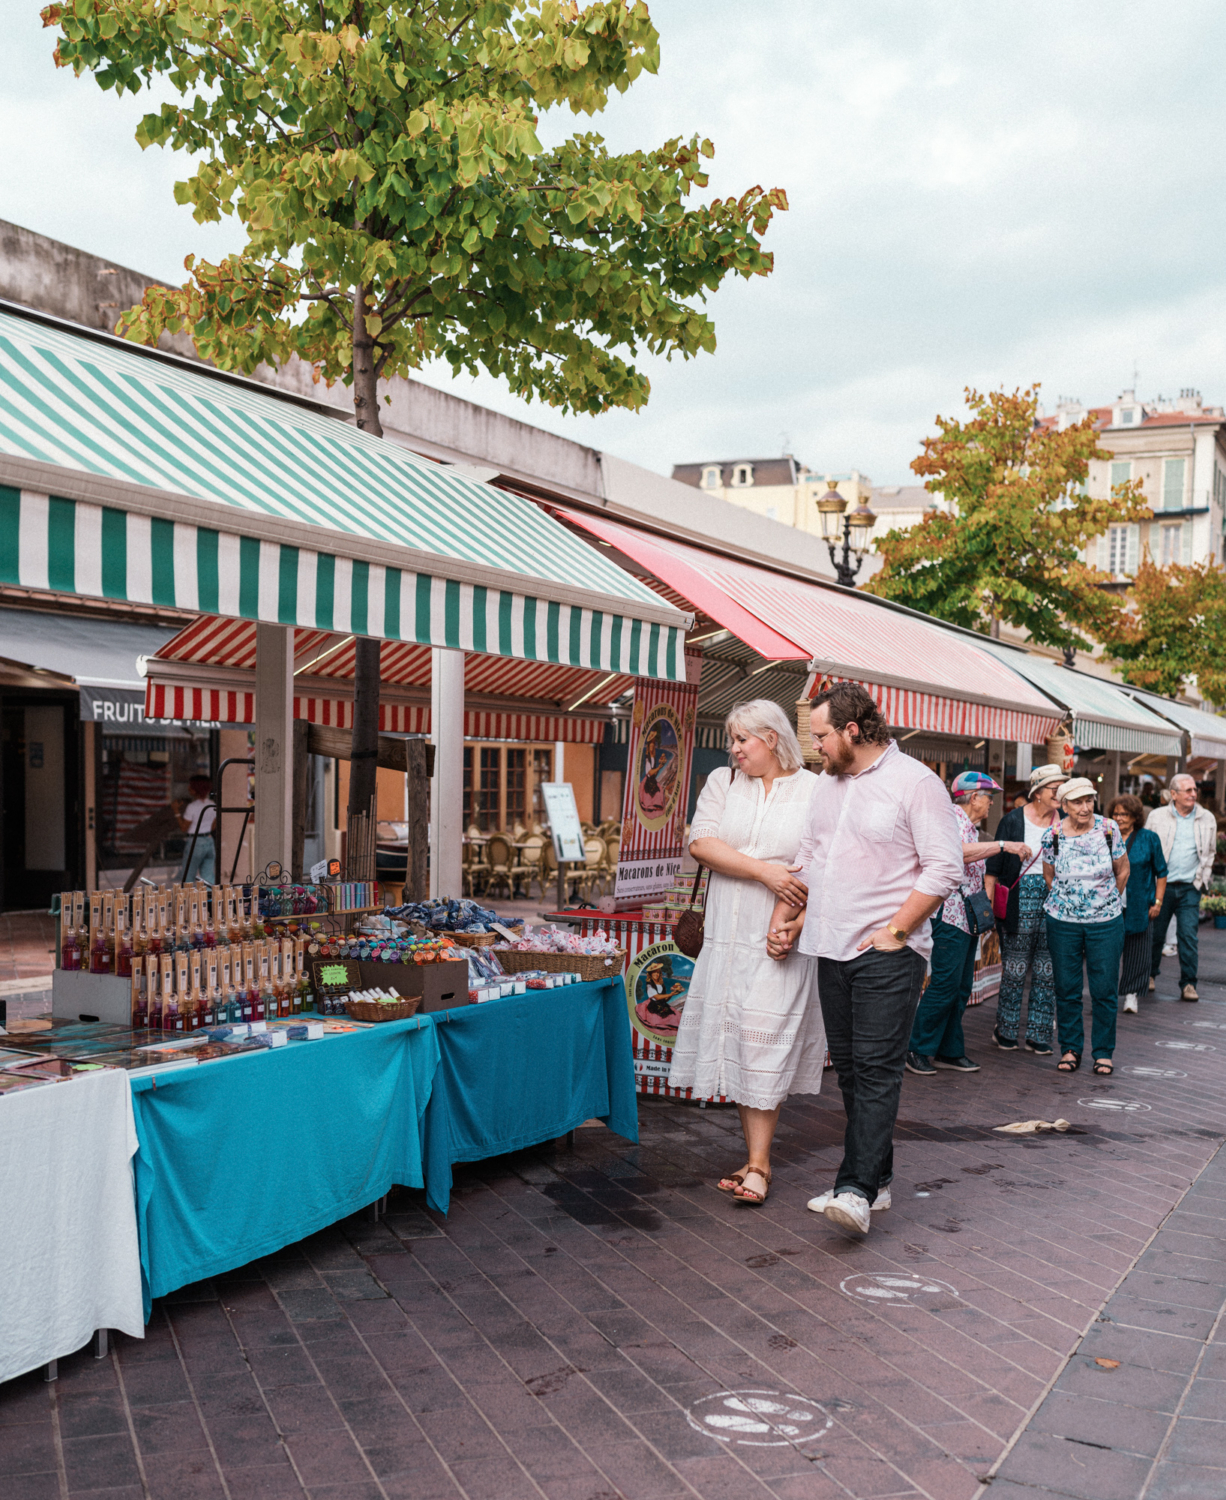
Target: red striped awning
(167,699)
(924,677)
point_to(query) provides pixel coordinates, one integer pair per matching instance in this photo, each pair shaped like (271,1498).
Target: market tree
(1007,546)
(1172,632)
(399,207)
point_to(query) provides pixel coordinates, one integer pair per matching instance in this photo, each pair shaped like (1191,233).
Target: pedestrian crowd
(844,913)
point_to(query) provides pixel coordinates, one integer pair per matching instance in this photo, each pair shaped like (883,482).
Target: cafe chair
(499,859)
(594,856)
(531,870)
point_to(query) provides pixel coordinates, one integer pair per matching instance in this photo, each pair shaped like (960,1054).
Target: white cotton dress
(751,1028)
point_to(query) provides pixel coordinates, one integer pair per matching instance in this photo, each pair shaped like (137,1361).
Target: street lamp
(856,529)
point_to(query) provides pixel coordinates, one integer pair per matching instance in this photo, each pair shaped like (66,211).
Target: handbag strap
(694,890)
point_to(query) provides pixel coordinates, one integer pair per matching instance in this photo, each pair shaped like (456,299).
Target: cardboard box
(78,996)
(441,986)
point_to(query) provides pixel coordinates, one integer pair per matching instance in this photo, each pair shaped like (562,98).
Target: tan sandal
(735,1178)
(751,1196)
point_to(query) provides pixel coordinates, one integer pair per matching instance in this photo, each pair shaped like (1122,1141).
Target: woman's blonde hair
(762,717)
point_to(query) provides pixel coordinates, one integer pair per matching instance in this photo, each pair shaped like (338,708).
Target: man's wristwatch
(899,932)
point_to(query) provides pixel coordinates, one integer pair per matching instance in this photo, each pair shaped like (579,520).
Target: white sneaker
(1130,1005)
(1169,950)
(849,1211)
(818,1205)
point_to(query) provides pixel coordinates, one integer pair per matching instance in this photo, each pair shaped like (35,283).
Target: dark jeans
(937,1031)
(1099,946)
(868,1005)
(1182,901)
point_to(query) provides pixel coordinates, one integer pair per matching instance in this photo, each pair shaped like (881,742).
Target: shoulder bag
(1002,892)
(980,914)
(688,933)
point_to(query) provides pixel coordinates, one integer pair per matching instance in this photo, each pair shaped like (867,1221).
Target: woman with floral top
(936,1033)
(1085,865)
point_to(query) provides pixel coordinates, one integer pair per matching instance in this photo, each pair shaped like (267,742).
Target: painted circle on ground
(1120,1106)
(895,1288)
(1188,1046)
(1143,1072)
(759,1419)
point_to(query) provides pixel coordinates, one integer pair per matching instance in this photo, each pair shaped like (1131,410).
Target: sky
(980,193)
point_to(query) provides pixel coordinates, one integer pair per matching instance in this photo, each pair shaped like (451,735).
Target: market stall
(68,1235)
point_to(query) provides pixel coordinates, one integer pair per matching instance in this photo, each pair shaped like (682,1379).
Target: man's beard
(835,762)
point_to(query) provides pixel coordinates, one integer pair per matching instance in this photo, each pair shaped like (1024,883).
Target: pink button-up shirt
(872,839)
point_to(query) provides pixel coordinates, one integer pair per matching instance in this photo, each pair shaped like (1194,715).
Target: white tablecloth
(69,1255)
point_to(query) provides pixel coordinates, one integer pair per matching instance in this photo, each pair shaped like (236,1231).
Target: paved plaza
(601,1324)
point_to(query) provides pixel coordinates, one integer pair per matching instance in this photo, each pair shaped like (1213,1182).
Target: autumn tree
(398,206)
(1172,633)
(382,157)
(1006,544)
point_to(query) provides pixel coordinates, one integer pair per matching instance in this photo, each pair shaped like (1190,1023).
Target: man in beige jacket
(1188,834)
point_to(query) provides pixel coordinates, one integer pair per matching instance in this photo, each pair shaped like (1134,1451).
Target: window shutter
(1134,550)
(1104,553)
(1186,528)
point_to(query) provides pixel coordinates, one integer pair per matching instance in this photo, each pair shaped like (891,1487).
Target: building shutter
(1186,528)
(1172,483)
(1134,550)
(1103,558)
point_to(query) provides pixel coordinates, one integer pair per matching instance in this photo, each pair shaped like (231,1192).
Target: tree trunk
(363,767)
(995,628)
(365,383)
(363,761)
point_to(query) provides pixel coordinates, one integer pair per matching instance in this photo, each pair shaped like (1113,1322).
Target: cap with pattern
(974,781)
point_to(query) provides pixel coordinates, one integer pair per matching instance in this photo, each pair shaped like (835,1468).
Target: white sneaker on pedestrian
(1130,1005)
(1169,950)
(880,1203)
(849,1211)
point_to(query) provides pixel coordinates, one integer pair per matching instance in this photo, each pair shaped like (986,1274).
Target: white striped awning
(129,474)
(1101,714)
(1206,732)
(923,677)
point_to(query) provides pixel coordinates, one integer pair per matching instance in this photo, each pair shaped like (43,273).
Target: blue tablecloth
(525,1069)
(244,1155)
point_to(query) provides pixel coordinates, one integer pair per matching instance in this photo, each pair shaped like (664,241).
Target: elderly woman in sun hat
(1019,896)
(936,1033)
(1085,865)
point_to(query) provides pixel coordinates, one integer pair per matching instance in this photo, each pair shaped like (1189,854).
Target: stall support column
(447,784)
(274,723)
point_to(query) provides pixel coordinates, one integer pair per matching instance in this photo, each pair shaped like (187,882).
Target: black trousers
(868,1005)
(1134,966)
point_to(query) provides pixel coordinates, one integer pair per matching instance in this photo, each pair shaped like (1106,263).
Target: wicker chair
(531,867)
(594,856)
(500,858)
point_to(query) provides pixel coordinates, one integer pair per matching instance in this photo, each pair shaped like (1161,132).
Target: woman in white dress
(751,1029)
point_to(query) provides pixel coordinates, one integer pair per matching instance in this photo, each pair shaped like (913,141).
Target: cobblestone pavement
(601,1324)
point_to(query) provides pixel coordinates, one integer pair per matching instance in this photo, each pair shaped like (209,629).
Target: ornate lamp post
(856,530)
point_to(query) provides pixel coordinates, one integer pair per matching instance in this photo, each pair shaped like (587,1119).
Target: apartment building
(1177,449)
(780,489)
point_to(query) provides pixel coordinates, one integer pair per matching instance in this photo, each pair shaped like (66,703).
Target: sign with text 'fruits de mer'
(657,785)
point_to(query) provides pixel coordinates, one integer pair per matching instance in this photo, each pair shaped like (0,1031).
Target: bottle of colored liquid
(123,954)
(99,954)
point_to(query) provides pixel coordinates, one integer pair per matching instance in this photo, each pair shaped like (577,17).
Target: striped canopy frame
(132,475)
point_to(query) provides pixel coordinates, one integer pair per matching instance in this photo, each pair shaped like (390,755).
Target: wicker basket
(467,939)
(588,966)
(371,1010)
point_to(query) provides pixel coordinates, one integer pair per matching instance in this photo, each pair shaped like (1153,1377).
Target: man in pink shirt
(880,855)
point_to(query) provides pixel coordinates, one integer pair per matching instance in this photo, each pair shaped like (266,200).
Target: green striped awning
(1103,715)
(125,474)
